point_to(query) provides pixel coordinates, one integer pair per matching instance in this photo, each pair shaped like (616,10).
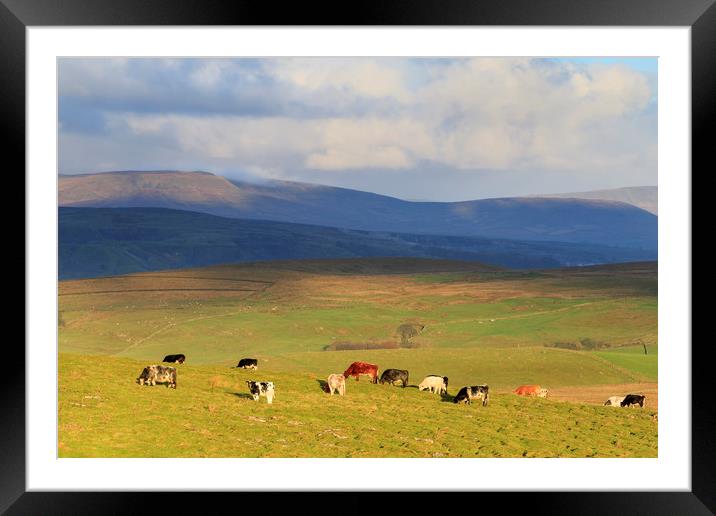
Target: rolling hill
(644,197)
(538,219)
(111,241)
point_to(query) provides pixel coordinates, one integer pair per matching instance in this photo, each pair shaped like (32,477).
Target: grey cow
(154,374)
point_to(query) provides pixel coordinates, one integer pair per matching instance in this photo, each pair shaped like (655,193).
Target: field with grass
(482,324)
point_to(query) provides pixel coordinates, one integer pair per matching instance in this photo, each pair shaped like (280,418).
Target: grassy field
(482,325)
(633,358)
(210,414)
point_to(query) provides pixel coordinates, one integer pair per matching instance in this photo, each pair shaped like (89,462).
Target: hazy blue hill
(110,241)
(567,220)
(644,197)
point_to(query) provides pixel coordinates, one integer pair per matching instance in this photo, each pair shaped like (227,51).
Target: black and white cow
(175,359)
(261,389)
(393,376)
(154,374)
(467,394)
(434,383)
(248,363)
(633,399)
(614,401)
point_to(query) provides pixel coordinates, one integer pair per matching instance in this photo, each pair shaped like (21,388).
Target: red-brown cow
(358,368)
(531,390)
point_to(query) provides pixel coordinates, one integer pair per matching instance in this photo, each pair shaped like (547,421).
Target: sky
(438,129)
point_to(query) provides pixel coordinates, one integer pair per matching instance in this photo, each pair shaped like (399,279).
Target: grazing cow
(337,382)
(633,399)
(528,390)
(393,376)
(154,374)
(358,368)
(248,363)
(174,359)
(467,394)
(261,389)
(434,383)
(614,401)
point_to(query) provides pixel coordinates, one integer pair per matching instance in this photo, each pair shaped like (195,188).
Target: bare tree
(407,331)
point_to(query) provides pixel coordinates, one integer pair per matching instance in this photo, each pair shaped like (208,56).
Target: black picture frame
(17,15)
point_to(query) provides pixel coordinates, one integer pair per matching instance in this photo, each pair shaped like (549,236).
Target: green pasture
(218,331)
(210,414)
(634,359)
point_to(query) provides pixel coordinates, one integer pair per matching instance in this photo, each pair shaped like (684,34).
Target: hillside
(216,313)
(644,197)
(540,219)
(480,325)
(110,241)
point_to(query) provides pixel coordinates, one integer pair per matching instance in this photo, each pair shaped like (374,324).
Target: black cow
(393,376)
(248,363)
(174,359)
(467,394)
(633,399)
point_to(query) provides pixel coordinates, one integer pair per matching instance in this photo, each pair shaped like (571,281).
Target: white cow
(434,383)
(337,382)
(615,401)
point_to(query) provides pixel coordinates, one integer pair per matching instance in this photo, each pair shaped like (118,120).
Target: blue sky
(431,129)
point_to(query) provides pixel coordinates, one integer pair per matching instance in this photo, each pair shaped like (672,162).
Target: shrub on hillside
(348,345)
(407,331)
(584,344)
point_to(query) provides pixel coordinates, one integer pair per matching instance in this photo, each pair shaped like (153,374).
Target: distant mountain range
(644,197)
(110,241)
(584,221)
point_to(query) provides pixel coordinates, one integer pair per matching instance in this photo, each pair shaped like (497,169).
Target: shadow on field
(243,395)
(324,385)
(447,398)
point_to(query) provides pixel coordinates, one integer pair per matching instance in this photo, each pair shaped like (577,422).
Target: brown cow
(531,390)
(359,368)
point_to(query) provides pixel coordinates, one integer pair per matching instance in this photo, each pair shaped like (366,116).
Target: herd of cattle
(154,374)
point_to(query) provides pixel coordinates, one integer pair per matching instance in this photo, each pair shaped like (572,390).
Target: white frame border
(670,471)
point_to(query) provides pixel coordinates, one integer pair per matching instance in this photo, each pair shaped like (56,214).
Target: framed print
(339,256)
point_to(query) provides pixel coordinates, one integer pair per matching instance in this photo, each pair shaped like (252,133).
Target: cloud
(287,117)
(362,77)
